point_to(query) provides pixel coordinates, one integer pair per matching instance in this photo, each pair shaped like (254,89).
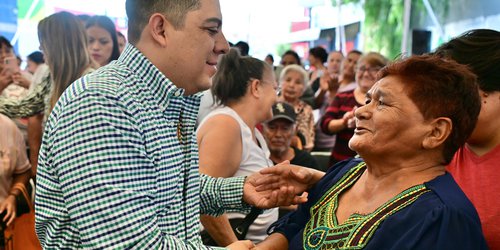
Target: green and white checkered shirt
(118,166)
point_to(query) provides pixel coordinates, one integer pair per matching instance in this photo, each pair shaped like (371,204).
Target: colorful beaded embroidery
(323,231)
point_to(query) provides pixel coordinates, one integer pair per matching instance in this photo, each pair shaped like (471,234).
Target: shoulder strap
(249,219)
(21,187)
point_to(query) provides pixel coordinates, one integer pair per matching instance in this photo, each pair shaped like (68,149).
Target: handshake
(281,185)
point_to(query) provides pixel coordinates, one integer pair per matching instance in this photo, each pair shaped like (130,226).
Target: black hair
(5,42)
(480,50)
(292,53)
(234,73)
(243,47)
(139,12)
(36,57)
(106,23)
(320,53)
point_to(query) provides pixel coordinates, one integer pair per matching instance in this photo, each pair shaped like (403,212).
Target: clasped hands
(280,185)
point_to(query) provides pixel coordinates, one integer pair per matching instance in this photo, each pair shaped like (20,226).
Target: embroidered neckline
(322,231)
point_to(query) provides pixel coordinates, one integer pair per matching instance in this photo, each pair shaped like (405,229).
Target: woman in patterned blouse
(399,195)
(293,81)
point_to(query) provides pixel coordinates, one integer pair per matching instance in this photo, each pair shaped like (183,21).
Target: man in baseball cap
(279,132)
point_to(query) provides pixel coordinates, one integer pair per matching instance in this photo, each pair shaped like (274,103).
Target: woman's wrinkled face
(292,86)
(389,123)
(100,44)
(366,75)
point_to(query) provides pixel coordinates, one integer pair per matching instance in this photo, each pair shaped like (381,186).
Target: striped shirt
(342,103)
(118,166)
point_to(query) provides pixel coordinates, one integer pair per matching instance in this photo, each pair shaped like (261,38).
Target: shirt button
(177,93)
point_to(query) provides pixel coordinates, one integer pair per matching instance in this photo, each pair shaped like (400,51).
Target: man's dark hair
(139,11)
(243,47)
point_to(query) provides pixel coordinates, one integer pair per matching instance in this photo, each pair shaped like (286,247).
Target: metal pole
(406,28)
(429,9)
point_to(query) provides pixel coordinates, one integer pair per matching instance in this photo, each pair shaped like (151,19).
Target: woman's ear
(255,88)
(440,130)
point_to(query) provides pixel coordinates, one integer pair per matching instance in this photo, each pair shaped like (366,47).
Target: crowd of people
(152,139)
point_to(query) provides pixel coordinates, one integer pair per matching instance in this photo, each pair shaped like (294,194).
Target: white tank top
(253,159)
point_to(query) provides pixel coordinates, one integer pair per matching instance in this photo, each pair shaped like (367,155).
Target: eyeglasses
(370,70)
(276,87)
(278,90)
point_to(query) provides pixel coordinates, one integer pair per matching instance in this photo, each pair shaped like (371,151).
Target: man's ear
(158,27)
(440,130)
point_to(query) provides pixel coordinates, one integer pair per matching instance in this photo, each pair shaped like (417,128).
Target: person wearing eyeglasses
(229,142)
(339,116)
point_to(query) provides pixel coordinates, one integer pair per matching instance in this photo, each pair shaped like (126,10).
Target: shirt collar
(150,75)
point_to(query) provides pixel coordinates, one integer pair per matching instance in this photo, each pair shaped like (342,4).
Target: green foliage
(24,5)
(383,26)
(282,48)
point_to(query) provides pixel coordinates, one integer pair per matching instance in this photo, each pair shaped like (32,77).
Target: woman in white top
(229,142)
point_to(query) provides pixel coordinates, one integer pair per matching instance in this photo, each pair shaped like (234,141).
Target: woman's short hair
(296,68)
(374,59)
(234,74)
(36,57)
(106,23)
(440,88)
(480,50)
(138,13)
(320,53)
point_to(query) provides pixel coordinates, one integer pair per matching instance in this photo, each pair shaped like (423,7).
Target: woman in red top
(475,165)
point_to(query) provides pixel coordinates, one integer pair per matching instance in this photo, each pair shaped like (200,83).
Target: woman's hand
(5,79)
(284,174)
(329,83)
(348,118)
(8,205)
(243,244)
(20,80)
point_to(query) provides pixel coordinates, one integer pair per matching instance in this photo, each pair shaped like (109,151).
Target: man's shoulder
(106,81)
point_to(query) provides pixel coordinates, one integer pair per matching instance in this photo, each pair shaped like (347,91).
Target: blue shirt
(441,217)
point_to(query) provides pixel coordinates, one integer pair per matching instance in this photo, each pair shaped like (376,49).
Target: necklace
(179,129)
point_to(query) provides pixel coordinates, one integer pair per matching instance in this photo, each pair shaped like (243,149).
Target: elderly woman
(293,81)
(398,196)
(338,117)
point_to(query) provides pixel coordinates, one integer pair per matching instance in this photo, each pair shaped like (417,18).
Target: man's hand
(243,244)
(280,185)
(284,174)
